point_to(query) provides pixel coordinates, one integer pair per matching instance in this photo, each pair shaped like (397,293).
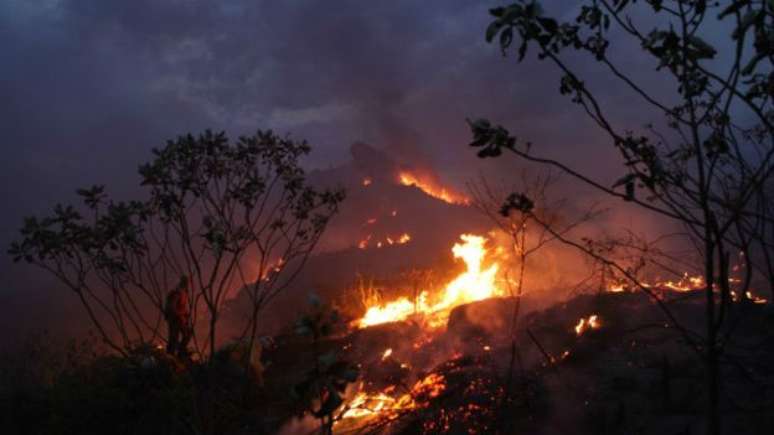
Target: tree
(709,168)
(533,203)
(225,214)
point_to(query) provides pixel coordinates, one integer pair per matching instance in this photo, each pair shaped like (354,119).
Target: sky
(88,87)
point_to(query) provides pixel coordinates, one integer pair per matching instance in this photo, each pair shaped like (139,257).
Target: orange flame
(475,284)
(585,324)
(384,405)
(433,189)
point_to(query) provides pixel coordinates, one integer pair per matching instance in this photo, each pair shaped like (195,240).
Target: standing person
(178,315)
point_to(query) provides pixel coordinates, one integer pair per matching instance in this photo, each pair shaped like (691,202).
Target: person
(178,316)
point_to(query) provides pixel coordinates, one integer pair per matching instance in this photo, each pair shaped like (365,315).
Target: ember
(388,406)
(585,324)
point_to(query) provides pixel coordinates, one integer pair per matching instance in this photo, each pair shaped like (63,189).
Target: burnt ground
(635,374)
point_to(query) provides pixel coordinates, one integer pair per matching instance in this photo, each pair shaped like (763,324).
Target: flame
(433,189)
(755,299)
(685,284)
(475,284)
(585,324)
(386,354)
(385,404)
(388,241)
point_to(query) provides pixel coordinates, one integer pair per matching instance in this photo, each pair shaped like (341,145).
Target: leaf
(506,36)
(549,24)
(705,49)
(493,29)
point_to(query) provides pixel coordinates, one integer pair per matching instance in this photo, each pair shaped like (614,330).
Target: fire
(388,241)
(385,404)
(386,354)
(439,192)
(685,284)
(755,299)
(364,243)
(475,284)
(585,324)
(367,181)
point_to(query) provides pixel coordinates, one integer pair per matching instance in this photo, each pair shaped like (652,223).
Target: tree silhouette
(228,215)
(710,169)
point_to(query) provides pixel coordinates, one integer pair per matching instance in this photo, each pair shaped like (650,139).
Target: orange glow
(585,324)
(685,284)
(367,181)
(388,241)
(364,243)
(431,188)
(388,406)
(474,284)
(755,299)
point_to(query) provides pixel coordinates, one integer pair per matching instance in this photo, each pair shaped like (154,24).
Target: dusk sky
(88,87)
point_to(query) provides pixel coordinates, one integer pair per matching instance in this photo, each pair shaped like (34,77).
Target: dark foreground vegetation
(632,374)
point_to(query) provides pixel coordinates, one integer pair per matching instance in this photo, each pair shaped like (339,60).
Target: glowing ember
(386,354)
(367,181)
(409,179)
(685,284)
(585,324)
(386,405)
(388,241)
(364,243)
(475,284)
(616,288)
(755,299)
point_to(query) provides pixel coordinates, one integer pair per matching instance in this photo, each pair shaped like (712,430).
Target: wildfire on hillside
(432,188)
(476,283)
(687,283)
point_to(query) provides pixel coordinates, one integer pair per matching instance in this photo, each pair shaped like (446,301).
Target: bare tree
(225,214)
(489,199)
(709,169)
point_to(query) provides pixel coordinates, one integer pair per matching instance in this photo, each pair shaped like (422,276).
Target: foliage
(212,207)
(321,391)
(710,170)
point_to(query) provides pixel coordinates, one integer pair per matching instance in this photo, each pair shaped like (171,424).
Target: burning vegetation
(477,282)
(194,291)
(427,185)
